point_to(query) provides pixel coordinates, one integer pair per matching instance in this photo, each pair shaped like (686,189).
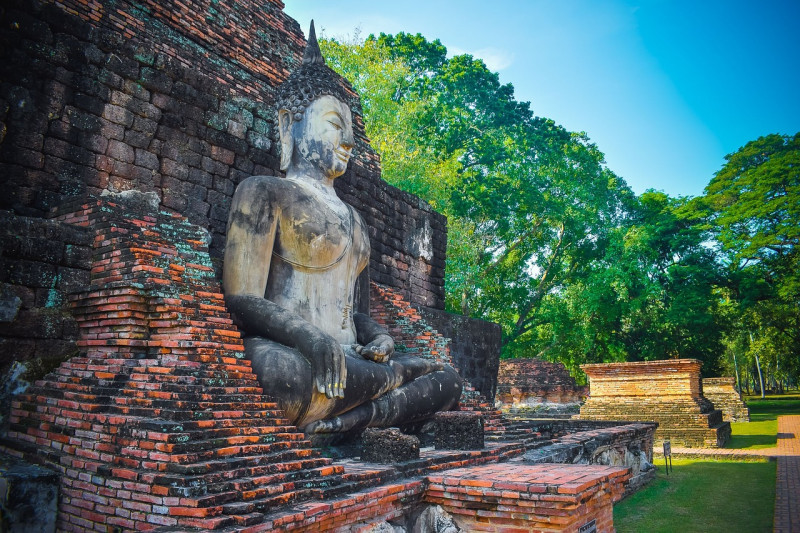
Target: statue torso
(321,246)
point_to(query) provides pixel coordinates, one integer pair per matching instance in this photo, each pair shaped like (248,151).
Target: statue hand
(328,365)
(379,350)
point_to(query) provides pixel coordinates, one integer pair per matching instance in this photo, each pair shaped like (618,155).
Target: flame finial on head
(312,55)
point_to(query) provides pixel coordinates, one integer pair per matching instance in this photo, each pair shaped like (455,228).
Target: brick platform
(546,497)
(723,394)
(668,392)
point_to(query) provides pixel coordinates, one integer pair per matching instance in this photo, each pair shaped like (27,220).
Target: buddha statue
(294,250)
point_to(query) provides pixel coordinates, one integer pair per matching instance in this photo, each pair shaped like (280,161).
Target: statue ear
(287,139)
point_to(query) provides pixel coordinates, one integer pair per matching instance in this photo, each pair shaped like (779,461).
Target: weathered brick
(120,151)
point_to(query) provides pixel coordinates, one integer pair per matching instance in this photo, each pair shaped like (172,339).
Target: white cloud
(495,58)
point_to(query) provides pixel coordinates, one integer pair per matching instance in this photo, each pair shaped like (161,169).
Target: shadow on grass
(703,497)
(752,441)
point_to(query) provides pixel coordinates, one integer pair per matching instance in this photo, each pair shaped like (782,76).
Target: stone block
(458,430)
(388,446)
(28,496)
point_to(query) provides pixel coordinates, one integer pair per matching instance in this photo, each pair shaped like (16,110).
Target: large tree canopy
(547,241)
(753,209)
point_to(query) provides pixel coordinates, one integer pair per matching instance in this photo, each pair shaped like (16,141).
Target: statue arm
(374,341)
(252,227)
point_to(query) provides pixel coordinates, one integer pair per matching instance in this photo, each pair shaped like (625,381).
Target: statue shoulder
(259,185)
(262,191)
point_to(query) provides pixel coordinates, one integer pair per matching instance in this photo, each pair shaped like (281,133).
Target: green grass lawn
(704,497)
(762,430)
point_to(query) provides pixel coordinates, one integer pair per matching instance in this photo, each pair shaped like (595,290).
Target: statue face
(324,137)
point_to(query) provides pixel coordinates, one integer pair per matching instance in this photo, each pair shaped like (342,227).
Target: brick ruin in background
(669,392)
(723,394)
(524,384)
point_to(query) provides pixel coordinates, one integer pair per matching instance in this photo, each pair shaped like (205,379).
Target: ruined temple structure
(669,392)
(124,129)
(723,394)
(524,384)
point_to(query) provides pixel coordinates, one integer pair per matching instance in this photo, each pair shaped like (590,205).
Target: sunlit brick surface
(723,394)
(668,392)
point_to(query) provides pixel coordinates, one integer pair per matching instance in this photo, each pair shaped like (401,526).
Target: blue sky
(665,88)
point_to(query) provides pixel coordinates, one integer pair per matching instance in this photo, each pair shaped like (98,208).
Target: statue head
(312,107)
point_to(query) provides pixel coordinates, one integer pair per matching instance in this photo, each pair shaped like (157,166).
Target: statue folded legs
(293,253)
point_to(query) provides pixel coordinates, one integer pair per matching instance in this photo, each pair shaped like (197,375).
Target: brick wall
(170,98)
(41,261)
(669,392)
(474,346)
(527,382)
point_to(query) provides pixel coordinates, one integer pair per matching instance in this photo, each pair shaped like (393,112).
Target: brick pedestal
(668,392)
(160,421)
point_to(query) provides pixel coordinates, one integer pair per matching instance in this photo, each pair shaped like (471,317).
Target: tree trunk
(758,367)
(736,370)
(760,377)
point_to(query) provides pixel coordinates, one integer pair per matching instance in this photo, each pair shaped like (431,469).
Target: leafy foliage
(547,241)
(753,209)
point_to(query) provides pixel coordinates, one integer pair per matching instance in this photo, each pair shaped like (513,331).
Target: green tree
(542,237)
(753,206)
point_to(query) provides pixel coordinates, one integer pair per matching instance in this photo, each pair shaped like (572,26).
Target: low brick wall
(669,392)
(723,394)
(526,383)
(626,445)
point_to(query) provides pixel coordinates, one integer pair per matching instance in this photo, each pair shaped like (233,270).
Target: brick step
(513,435)
(217,373)
(143,364)
(293,457)
(204,490)
(268,504)
(225,432)
(248,519)
(203,426)
(249,477)
(183,399)
(236,450)
(341,489)
(213,391)
(189,415)
(199,446)
(106,396)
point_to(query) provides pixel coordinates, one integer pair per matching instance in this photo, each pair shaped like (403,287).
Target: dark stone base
(388,446)
(458,430)
(28,496)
